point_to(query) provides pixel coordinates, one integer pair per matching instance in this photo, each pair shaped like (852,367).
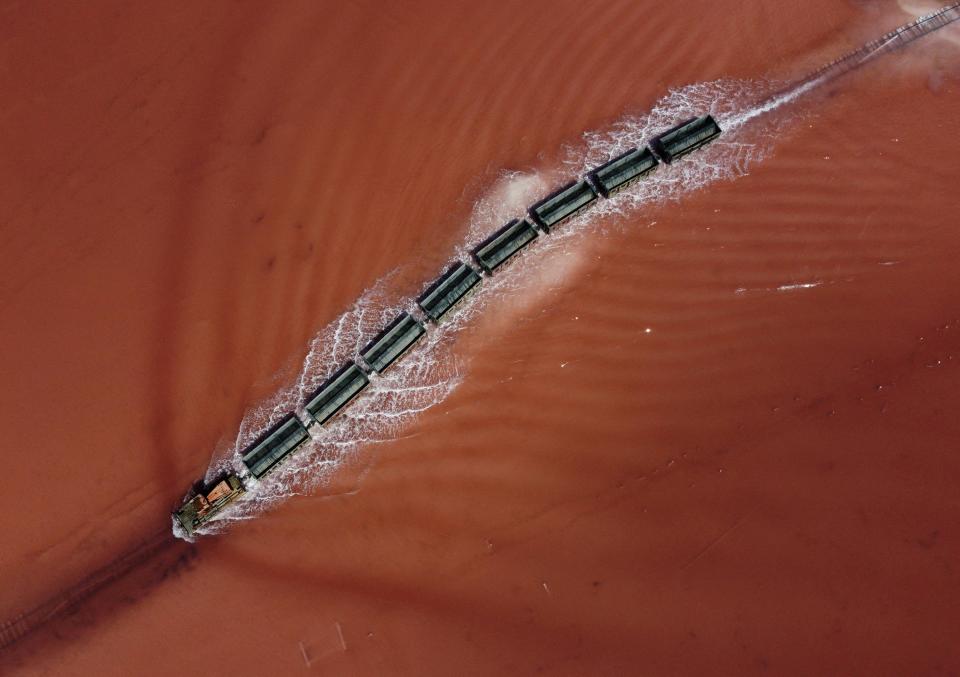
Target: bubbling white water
(432,370)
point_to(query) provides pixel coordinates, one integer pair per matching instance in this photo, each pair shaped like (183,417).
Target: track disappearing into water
(893,41)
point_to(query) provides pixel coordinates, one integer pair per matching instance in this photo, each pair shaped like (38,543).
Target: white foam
(431,371)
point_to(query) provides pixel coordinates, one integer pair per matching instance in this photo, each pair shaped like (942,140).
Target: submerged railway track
(348,381)
(162,554)
(292,431)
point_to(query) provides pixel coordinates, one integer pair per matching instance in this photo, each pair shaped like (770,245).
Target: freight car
(343,386)
(562,204)
(337,392)
(685,138)
(623,170)
(396,339)
(504,244)
(279,442)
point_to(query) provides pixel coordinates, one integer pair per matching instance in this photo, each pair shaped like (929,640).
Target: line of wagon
(290,433)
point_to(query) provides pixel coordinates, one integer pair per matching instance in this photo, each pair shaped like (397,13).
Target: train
(282,439)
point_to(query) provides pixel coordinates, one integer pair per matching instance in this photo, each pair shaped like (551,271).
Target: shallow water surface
(711,434)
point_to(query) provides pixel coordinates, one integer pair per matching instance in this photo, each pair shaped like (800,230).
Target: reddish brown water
(766,480)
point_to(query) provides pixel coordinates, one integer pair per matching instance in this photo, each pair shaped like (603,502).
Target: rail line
(15,629)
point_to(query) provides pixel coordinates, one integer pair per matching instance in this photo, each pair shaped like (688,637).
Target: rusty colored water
(722,443)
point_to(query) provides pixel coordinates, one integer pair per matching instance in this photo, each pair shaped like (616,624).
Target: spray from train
(369,373)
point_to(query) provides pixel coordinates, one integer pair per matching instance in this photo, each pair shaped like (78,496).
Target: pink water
(715,436)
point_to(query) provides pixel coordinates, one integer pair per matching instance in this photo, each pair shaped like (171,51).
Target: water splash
(432,370)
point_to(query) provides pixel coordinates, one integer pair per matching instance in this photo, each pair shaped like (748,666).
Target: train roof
(275,445)
(392,342)
(562,204)
(685,138)
(448,290)
(337,392)
(621,171)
